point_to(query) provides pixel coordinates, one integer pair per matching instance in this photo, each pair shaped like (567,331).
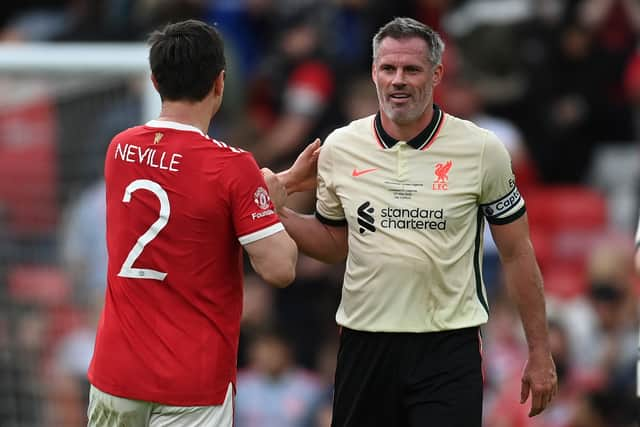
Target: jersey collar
(421,140)
(166,124)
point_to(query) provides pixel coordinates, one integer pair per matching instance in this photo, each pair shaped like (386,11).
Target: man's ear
(154,81)
(218,83)
(438,73)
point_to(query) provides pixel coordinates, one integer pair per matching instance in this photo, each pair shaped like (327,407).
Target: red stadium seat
(565,281)
(542,245)
(28,188)
(526,176)
(46,285)
(566,208)
(570,219)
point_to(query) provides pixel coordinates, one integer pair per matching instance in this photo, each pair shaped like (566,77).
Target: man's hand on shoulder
(302,175)
(539,379)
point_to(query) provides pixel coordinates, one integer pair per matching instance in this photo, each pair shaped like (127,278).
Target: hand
(540,378)
(302,176)
(277,192)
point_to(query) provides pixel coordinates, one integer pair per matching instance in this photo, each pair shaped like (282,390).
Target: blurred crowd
(557,80)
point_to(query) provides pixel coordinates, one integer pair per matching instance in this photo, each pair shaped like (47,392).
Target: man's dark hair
(186,58)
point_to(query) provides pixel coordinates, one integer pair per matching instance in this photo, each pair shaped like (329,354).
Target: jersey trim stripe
(260,234)
(375,133)
(166,124)
(331,222)
(432,138)
(476,261)
(420,141)
(508,219)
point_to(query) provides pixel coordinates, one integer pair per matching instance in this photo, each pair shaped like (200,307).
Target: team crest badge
(442,175)
(261,198)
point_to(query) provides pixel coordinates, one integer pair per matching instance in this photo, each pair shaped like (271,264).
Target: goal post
(61,102)
(110,58)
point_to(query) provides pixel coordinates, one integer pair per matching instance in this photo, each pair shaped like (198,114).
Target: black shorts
(395,379)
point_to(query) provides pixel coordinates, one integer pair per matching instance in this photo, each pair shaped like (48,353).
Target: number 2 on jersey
(127,269)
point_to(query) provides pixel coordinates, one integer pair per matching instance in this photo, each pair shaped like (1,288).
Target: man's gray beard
(401,118)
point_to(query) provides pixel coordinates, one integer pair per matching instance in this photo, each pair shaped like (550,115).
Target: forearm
(314,238)
(524,283)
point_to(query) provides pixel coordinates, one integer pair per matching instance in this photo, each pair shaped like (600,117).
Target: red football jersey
(179,207)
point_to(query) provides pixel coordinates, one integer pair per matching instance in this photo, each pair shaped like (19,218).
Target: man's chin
(402,117)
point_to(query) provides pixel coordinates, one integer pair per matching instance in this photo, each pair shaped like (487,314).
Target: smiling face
(404,79)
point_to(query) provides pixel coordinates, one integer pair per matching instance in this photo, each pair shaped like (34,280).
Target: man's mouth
(399,96)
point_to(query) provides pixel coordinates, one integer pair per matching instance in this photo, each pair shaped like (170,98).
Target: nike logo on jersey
(357,172)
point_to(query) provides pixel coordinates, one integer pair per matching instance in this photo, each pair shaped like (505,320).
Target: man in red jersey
(180,208)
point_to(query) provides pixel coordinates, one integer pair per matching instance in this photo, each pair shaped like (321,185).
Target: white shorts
(106,410)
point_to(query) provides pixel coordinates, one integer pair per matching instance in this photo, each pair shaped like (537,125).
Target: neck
(406,131)
(196,114)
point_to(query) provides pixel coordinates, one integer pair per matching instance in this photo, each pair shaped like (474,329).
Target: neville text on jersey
(151,157)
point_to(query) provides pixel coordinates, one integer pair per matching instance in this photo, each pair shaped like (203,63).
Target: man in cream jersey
(416,221)
(402,195)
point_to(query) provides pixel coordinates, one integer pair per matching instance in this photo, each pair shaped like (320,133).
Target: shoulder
(363,126)
(470,131)
(214,150)
(237,164)
(234,152)
(459,125)
(233,155)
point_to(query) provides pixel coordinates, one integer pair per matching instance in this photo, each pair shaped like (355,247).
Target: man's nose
(398,78)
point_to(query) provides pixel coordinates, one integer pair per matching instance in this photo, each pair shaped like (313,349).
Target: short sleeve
(500,200)
(328,206)
(253,214)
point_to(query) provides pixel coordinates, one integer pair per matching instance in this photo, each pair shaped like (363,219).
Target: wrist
(282,212)
(540,350)
(285,179)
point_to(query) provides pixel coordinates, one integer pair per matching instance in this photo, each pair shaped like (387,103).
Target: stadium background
(557,80)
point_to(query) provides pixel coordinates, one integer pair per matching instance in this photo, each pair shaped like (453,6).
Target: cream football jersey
(415,215)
